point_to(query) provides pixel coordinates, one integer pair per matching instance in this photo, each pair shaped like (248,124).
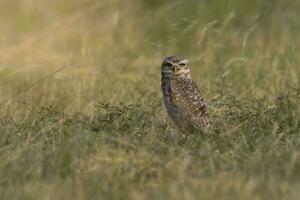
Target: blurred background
(112,49)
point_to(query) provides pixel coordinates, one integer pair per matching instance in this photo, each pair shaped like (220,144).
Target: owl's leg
(174,134)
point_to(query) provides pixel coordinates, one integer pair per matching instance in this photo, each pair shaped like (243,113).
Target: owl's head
(175,66)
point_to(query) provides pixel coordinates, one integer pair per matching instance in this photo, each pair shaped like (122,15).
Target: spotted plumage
(183,99)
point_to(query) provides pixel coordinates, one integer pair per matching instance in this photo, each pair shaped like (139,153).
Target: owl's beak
(176,68)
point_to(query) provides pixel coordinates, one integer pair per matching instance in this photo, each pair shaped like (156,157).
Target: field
(81,110)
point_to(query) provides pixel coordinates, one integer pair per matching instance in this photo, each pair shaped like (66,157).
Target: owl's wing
(187,100)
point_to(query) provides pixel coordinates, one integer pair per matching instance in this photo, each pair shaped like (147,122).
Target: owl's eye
(169,65)
(182,64)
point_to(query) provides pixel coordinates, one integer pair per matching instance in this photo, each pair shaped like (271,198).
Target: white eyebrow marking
(185,61)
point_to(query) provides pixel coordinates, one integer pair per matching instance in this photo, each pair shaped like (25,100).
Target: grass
(97,129)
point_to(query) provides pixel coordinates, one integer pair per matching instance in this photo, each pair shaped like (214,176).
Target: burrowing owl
(183,99)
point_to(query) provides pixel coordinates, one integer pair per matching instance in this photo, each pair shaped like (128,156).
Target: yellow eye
(182,64)
(168,65)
